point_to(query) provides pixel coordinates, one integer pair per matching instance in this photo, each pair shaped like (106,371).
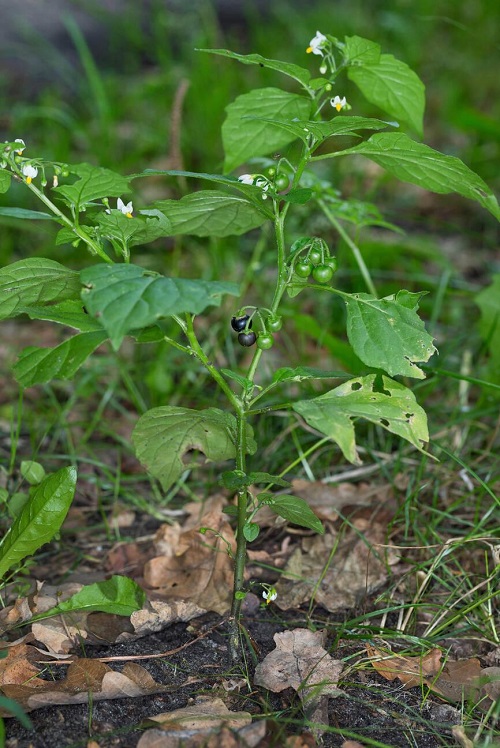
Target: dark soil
(371,709)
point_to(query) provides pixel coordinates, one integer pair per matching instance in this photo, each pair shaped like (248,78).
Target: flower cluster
(257,181)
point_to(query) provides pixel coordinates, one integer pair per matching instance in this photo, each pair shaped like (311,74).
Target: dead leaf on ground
(455,680)
(208,722)
(358,567)
(301,662)
(84,676)
(196,567)
(411,671)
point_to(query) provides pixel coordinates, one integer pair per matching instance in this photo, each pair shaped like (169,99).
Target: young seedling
(113,297)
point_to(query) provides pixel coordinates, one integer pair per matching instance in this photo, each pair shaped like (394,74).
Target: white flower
(338,103)
(246,178)
(269,595)
(262,183)
(21,147)
(316,44)
(29,172)
(125,209)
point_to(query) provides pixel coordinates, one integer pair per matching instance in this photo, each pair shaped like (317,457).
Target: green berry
(265,341)
(314,256)
(274,324)
(322,273)
(281,182)
(303,269)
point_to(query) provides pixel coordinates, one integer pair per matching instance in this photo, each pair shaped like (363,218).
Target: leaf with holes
(387,333)
(393,407)
(164,435)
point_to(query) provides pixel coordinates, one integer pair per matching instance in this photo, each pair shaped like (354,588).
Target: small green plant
(113,297)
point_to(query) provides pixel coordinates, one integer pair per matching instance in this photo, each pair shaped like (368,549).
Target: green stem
(352,246)
(241,544)
(198,351)
(77,230)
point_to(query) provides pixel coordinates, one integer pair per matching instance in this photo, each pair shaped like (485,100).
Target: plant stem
(352,246)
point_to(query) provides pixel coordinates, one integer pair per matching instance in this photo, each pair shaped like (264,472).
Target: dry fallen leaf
(455,680)
(197,568)
(84,676)
(358,567)
(301,662)
(411,671)
(208,722)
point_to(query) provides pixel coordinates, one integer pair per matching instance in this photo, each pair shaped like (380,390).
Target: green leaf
(127,297)
(40,519)
(387,333)
(299,373)
(93,183)
(38,365)
(260,477)
(26,215)
(251,531)
(394,87)
(212,213)
(148,226)
(358,212)
(118,595)
(12,706)
(70,313)
(35,281)
(234,480)
(421,165)
(5,179)
(250,137)
(295,510)
(359,51)
(32,472)
(298,196)
(320,131)
(302,75)
(163,435)
(394,408)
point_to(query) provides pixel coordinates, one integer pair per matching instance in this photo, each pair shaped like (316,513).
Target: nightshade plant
(113,297)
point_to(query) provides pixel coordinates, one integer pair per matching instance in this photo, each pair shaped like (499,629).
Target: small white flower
(21,147)
(29,172)
(55,180)
(125,209)
(323,69)
(269,595)
(246,178)
(338,103)
(262,183)
(316,44)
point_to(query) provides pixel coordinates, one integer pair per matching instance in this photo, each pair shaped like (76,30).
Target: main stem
(241,449)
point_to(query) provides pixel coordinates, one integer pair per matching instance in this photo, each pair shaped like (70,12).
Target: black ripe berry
(239,323)
(247,339)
